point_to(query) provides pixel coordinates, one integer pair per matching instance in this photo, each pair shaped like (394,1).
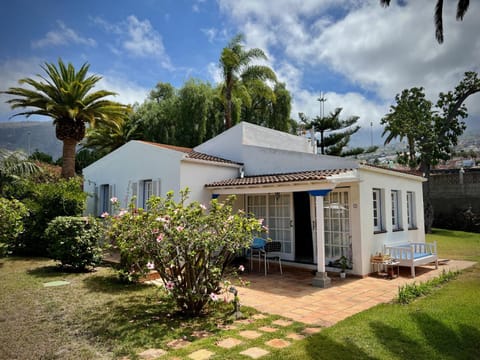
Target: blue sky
(356,52)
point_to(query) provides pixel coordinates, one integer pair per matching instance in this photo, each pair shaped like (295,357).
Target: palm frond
(438,18)
(462,8)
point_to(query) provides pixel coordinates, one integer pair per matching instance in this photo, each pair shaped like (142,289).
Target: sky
(356,53)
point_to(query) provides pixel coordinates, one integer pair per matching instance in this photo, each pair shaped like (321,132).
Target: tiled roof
(192,154)
(403,171)
(201,156)
(279,178)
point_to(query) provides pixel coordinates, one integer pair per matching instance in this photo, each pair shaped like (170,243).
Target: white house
(319,207)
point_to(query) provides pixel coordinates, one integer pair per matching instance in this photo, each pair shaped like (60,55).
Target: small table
(386,268)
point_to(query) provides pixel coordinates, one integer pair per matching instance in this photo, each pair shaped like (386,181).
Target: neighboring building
(319,207)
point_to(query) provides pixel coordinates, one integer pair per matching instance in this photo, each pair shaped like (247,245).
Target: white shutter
(156,187)
(110,195)
(135,193)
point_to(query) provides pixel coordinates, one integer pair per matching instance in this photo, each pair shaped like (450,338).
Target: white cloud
(215,72)
(361,45)
(10,72)
(63,36)
(138,38)
(127,91)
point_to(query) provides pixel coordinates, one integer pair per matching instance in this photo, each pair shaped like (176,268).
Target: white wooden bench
(414,254)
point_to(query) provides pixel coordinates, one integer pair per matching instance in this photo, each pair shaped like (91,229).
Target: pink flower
(203,207)
(214,297)
(160,237)
(241,268)
(122,212)
(155,231)
(260,221)
(150,265)
(114,200)
(170,285)
(180,228)
(164,219)
(104,214)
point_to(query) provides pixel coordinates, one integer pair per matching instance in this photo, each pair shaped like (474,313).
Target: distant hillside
(30,136)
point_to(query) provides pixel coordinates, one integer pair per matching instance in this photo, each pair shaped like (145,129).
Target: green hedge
(74,241)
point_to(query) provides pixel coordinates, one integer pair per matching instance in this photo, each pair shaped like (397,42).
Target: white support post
(321,278)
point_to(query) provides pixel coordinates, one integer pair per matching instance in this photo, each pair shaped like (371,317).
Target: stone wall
(456,199)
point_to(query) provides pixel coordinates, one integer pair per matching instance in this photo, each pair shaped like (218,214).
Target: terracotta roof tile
(201,156)
(279,178)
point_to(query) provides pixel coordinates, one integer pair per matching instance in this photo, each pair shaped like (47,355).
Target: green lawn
(96,317)
(443,325)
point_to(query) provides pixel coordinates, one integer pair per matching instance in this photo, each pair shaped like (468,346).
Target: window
(377,210)
(147,192)
(396,218)
(412,223)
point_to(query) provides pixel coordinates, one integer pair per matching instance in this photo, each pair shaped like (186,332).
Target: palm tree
(15,165)
(64,95)
(462,7)
(108,136)
(238,72)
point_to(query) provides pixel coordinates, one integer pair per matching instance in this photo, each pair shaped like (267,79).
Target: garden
(60,301)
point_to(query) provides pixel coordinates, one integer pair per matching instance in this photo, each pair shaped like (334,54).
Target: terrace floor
(292,295)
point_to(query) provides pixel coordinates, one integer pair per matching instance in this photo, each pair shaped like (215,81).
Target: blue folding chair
(257,248)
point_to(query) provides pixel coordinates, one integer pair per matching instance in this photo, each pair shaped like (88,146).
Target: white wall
(387,181)
(195,175)
(229,144)
(260,161)
(130,163)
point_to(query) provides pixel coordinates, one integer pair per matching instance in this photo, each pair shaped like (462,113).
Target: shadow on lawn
(320,346)
(142,316)
(142,321)
(111,284)
(438,338)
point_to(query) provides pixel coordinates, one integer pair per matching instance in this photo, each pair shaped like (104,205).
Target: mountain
(30,136)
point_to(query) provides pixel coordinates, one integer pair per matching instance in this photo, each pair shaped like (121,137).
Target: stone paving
(291,295)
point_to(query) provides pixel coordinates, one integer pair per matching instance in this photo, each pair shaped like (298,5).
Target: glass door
(336,213)
(276,210)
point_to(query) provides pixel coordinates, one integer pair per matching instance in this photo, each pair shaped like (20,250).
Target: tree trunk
(68,167)
(228,110)
(427,201)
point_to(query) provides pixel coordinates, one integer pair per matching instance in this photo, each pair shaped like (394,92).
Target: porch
(293,296)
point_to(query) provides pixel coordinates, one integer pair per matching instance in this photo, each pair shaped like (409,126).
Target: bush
(74,241)
(46,201)
(409,292)
(189,247)
(12,214)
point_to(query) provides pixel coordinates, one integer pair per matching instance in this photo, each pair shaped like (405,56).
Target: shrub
(46,201)
(188,246)
(409,292)
(12,214)
(74,241)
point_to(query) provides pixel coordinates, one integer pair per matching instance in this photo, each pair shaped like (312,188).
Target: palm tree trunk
(69,148)
(228,110)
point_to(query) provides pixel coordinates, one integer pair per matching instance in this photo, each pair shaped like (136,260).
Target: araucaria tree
(340,132)
(65,96)
(239,74)
(187,245)
(430,132)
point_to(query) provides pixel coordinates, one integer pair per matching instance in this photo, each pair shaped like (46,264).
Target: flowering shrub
(189,247)
(12,213)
